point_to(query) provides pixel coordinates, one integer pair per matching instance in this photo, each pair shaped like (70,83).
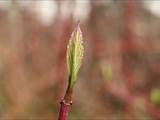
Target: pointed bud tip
(75,52)
(78,30)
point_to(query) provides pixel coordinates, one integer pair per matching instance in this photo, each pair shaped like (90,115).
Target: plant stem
(64,109)
(66,103)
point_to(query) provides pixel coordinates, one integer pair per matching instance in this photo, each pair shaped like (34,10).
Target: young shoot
(74,57)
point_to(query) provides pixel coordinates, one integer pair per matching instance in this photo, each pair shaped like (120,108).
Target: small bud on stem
(75,51)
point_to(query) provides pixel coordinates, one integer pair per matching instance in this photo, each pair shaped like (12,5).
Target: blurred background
(120,75)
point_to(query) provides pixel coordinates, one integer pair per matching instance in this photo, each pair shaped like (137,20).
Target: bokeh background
(120,75)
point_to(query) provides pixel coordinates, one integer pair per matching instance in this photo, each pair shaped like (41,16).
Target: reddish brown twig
(64,109)
(66,103)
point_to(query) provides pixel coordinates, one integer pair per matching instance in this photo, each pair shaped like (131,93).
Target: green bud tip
(75,52)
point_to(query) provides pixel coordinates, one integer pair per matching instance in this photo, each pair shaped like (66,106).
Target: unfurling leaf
(75,51)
